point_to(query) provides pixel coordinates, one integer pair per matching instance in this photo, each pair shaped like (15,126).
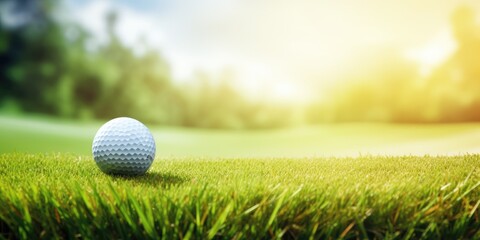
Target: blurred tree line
(47,66)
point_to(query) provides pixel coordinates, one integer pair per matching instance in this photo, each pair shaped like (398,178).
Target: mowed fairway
(45,135)
(66,196)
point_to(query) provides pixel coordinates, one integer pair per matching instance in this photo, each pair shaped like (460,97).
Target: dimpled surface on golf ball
(123,146)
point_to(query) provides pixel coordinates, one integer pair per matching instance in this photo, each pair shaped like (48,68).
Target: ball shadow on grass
(155,179)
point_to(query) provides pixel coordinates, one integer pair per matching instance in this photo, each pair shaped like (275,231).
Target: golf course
(226,119)
(220,185)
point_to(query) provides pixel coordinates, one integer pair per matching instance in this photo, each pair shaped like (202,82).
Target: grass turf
(66,196)
(37,134)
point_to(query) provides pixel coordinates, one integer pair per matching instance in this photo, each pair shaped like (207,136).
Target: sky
(286,46)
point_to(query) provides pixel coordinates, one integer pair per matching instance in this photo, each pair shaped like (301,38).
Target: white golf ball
(123,146)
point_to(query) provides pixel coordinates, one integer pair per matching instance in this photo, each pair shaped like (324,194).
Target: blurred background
(245,65)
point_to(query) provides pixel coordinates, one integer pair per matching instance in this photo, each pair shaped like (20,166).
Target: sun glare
(286,91)
(281,51)
(434,52)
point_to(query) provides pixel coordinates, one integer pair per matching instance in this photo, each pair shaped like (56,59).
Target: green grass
(32,134)
(225,184)
(66,196)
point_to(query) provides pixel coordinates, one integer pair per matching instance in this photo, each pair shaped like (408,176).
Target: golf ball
(123,146)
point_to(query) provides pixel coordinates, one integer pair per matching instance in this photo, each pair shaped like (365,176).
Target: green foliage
(53,66)
(49,68)
(66,196)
